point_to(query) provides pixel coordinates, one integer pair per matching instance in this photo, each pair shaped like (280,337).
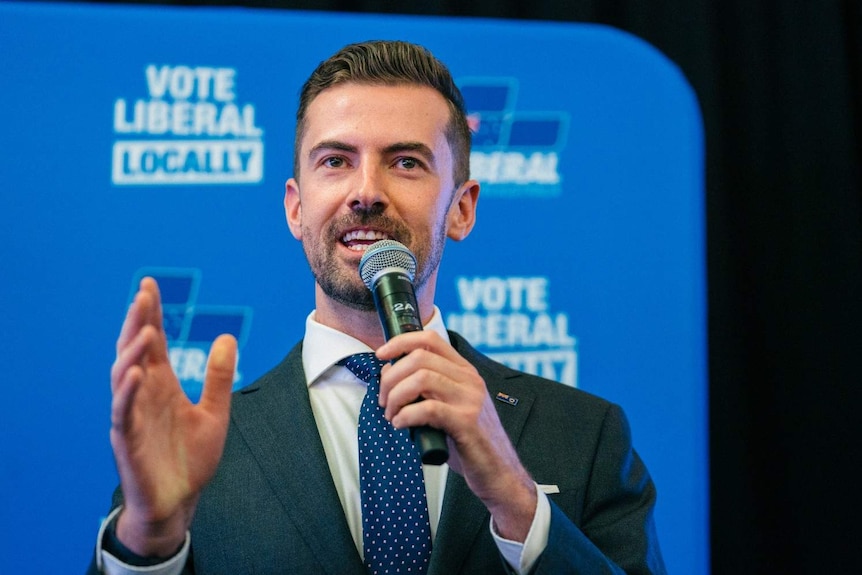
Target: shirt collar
(323,346)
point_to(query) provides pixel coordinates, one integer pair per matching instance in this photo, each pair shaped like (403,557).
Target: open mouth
(359,240)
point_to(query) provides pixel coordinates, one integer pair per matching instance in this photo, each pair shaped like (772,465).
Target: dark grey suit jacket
(272,506)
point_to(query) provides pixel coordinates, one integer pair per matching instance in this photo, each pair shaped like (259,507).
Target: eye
(408,163)
(334,162)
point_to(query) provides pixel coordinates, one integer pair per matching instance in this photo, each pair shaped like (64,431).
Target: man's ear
(293,208)
(462,212)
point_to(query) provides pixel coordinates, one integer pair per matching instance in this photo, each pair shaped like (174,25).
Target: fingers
(416,378)
(427,340)
(155,318)
(218,381)
(149,285)
(133,353)
(124,398)
(437,401)
(135,319)
(132,370)
(142,343)
(146,309)
(452,389)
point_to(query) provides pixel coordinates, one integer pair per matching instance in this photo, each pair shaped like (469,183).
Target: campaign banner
(156,141)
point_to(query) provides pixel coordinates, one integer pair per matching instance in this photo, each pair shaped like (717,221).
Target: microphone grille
(386,254)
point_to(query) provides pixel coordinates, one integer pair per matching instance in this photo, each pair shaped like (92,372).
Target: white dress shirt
(336,396)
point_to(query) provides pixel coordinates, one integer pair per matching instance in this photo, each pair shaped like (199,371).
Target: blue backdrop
(157,141)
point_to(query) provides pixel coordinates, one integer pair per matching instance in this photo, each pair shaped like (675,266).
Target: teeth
(365,235)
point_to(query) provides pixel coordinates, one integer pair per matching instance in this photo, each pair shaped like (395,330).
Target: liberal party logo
(190,327)
(191,129)
(510,320)
(515,153)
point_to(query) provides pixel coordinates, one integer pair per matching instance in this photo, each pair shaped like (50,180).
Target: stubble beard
(344,285)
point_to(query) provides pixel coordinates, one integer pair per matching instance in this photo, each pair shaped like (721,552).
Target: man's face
(374,164)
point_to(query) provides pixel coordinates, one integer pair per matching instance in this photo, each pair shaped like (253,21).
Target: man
(268,481)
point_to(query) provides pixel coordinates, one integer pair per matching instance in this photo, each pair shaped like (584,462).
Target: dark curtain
(780,86)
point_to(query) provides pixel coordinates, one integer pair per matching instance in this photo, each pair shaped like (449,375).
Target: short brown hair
(391,63)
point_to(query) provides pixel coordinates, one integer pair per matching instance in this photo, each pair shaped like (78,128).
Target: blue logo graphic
(515,154)
(191,328)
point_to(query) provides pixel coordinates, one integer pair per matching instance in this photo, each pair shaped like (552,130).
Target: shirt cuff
(522,556)
(110,565)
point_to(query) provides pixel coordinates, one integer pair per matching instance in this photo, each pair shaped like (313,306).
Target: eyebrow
(329,145)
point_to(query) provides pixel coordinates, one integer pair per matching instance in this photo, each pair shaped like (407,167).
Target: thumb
(218,381)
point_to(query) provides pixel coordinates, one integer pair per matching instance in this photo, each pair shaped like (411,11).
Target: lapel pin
(506,398)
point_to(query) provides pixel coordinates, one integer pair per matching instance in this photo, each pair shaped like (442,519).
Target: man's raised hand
(166,447)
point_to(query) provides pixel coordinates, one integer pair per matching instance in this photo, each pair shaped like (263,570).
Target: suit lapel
(275,418)
(461,521)
(464,516)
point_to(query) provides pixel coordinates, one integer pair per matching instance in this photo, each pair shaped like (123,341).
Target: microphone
(387,267)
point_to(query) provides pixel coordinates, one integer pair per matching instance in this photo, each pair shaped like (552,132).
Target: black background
(780,87)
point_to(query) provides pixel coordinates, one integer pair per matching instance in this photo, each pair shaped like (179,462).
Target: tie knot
(365,366)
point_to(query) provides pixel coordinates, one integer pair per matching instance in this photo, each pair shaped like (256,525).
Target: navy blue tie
(396,535)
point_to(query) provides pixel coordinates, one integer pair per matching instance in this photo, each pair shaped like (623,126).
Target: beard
(344,285)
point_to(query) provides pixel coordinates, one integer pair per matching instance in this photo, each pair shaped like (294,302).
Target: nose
(368,192)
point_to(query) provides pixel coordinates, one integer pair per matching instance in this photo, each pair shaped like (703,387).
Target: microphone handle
(395,300)
(431,443)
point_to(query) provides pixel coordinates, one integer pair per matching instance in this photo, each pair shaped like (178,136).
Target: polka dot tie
(396,535)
